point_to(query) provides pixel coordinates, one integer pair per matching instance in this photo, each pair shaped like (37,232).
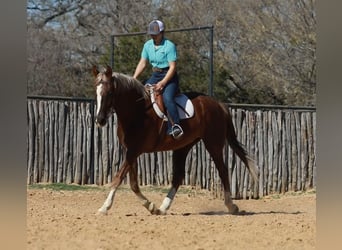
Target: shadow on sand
(240,213)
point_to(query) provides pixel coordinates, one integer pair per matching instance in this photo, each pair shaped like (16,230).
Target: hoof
(160,212)
(234,209)
(101,212)
(152,208)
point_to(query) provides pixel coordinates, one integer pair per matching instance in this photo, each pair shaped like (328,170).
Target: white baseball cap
(155,27)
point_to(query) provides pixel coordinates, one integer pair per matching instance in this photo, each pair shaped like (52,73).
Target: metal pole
(211,63)
(112,51)
(211,50)
(172,30)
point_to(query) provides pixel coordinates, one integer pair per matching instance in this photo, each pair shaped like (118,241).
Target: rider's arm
(140,67)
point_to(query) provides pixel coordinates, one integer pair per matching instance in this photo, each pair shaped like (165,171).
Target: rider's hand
(159,87)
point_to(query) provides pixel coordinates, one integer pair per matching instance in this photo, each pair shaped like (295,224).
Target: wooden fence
(64,146)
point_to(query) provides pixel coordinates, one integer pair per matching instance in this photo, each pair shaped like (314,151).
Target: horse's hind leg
(215,152)
(223,173)
(133,181)
(178,165)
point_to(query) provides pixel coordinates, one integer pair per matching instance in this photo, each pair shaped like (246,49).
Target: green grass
(63,187)
(148,188)
(122,188)
(290,193)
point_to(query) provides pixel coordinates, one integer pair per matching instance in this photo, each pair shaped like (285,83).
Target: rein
(150,91)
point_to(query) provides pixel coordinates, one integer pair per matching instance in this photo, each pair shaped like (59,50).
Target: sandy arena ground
(67,220)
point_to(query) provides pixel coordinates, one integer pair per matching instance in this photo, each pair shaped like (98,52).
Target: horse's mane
(126,83)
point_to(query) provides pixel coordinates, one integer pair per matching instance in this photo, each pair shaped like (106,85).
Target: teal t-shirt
(161,55)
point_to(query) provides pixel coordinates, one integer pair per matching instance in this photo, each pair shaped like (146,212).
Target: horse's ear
(95,71)
(109,71)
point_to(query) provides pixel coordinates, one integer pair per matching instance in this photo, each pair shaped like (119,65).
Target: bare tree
(267,45)
(265,51)
(65,38)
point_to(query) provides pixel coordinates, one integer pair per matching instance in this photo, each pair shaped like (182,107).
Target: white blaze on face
(98,98)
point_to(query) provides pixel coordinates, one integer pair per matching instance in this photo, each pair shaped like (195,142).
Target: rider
(161,53)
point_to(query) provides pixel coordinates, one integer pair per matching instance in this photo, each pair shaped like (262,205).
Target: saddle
(184,105)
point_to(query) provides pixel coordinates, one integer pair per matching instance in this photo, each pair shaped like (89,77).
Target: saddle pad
(184,106)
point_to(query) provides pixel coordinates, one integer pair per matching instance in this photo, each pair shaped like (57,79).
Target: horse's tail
(238,148)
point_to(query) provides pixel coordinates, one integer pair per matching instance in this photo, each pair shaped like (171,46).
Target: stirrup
(178,128)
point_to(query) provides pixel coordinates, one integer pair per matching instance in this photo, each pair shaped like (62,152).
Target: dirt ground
(196,220)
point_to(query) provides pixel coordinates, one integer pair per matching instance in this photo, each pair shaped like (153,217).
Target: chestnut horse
(140,130)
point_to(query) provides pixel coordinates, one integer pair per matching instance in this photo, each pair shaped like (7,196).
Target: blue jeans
(169,93)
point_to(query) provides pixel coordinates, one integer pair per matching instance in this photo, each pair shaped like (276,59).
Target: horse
(140,130)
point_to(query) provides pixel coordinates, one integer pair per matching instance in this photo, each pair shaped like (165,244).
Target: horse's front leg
(114,186)
(133,181)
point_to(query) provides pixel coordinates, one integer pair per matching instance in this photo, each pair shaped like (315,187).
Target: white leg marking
(166,204)
(167,201)
(108,202)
